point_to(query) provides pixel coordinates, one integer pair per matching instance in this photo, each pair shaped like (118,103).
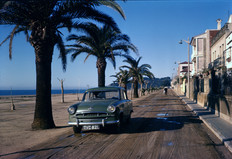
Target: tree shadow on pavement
(143,125)
(34,151)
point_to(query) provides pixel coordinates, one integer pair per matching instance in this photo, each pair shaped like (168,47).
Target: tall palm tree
(103,43)
(42,21)
(137,72)
(123,78)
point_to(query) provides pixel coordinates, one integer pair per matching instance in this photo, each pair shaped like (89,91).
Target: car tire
(116,128)
(77,129)
(128,119)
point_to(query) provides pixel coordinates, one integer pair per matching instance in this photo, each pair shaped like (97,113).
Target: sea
(33,92)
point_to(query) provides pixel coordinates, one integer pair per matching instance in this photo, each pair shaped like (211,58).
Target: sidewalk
(221,128)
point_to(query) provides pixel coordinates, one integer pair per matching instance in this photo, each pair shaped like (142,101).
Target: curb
(222,138)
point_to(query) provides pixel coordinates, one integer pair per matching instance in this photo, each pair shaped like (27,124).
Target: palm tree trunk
(136,95)
(124,85)
(141,89)
(101,68)
(43,118)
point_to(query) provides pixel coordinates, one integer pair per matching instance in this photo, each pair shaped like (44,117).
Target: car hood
(95,106)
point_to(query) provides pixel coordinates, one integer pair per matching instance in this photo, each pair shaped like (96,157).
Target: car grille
(92,115)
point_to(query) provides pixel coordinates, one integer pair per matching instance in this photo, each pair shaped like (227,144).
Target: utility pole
(12,102)
(62,89)
(188,42)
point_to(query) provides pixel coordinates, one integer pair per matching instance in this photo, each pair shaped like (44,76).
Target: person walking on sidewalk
(165,90)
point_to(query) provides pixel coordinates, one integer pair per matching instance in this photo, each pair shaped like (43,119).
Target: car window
(99,95)
(125,94)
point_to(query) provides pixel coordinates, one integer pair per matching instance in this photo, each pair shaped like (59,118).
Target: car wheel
(128,118)
(116,128)
(77,129)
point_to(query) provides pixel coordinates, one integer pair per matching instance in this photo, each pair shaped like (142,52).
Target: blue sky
(155,27)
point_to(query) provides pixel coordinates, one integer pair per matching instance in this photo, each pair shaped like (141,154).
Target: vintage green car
(102,107)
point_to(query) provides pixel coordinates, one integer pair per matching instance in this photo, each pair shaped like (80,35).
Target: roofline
(229,34)
(195,37)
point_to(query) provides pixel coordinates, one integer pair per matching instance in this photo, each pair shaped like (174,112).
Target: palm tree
(103,43)
(123,78)
(137,72)
(42,21)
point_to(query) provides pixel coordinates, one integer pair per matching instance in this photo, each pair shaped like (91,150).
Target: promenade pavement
(220,127)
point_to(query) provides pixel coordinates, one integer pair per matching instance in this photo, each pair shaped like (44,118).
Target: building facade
(183,69)
(219,46)
(198,57)
(228,52)
(201,50)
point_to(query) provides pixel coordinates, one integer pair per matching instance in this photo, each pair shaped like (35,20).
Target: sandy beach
(16,133)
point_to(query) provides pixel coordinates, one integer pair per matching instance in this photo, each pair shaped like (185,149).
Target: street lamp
(188,42)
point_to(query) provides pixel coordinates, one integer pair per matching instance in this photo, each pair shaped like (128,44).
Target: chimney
(219,24)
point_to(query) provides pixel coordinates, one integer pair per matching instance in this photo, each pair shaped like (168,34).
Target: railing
(219,62)
(228,83)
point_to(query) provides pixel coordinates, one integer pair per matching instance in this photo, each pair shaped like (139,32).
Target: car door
(125,103)
(129,103)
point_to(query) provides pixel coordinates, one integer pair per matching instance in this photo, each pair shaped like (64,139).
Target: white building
(201,47)
(228,52)
(183,69)
(219,45)
(198,53)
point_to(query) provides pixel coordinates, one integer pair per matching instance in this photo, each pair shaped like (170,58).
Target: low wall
(178,89)
(221,106)
(202,99)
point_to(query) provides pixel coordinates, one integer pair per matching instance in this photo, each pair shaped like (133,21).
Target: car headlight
(71,110)
(111,109)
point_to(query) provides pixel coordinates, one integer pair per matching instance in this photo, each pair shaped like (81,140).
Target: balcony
(193,58)
(219,62)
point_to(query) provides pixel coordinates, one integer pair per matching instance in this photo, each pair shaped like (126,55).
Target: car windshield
(99,95)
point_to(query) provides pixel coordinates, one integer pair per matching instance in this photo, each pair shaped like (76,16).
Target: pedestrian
(165,90)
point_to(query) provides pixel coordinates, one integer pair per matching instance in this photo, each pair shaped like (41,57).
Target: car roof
(103,88)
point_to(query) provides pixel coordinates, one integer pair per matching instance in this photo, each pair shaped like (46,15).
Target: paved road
(161,127)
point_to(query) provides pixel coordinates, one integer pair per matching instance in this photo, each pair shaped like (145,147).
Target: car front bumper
(103,122)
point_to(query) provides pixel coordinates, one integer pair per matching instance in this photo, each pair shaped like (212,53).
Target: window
(220,50)
(184,67)
(100,95)
(199,45)
(123,95)
(212,57)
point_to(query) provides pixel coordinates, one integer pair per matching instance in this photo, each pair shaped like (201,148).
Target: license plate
(91,127)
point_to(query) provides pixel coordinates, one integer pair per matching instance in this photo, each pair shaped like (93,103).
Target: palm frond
(87,57)
(81,50)
(61,47)
(113,5)
(90,29)
(8,37)
(112,60)
(11,40)
(72,37)
(145,66)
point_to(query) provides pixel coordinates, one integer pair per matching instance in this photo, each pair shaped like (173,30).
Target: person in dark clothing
(165,90)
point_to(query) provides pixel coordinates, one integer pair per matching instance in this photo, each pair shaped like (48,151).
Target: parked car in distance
(102,107)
